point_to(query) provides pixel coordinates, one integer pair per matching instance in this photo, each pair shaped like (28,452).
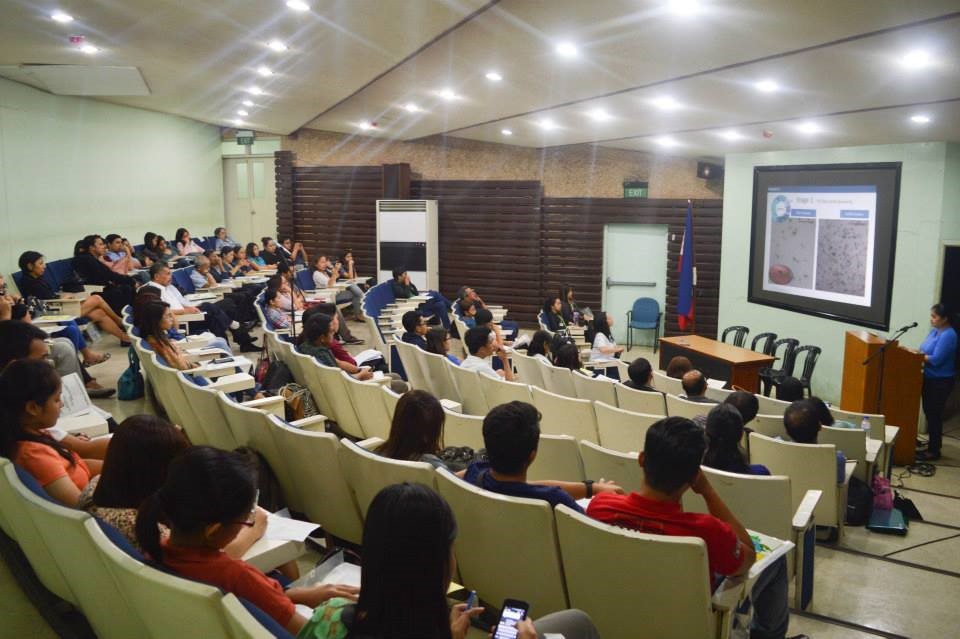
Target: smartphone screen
(513,613)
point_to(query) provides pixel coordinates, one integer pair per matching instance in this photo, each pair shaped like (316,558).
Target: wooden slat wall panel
(572,249)
(283,170)
(334,208)
(489,238)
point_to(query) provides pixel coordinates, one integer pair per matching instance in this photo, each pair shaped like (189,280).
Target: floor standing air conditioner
(407,239)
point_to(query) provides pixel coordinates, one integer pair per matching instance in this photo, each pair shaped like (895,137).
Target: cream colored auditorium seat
(368,401)
(166,389)
(595,389)
(877,422)
(557,380)
(439,379)
(809,467)
(390,400)
(621,468)
(719,394)
(468,387)
(463,430)
(505,545)
(671,600)
(314,461)
(368,473)
(764,504)
(679,407)
(205,405)
(622,430)
(337,394)
(528,369)
(771,406)
(411,364)
(666,384)
(638,401)
(304,370)
(558,457)
(499,391)
(565,415)
(852,442)
(241,623)
(769,425)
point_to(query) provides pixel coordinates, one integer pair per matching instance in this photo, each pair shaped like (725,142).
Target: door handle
(253,212)
(612,283)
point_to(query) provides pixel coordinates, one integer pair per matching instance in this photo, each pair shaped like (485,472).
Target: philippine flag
(685,268)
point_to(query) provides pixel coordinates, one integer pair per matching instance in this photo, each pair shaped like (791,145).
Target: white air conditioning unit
(407,238)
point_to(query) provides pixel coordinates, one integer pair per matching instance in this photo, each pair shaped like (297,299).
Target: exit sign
(635,189)
(245,138)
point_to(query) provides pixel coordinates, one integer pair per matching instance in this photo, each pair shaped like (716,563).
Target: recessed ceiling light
(666,140)
(298,5)
(684,8)
(411,107)
(916,59)
(665,103)
(547,124)
(731,135)
(278,46)
(920,119)
(493,76)
(506,132)
(809,128)
(567,50)
(599,115)
(254,90)
(766,86)
(60,16)
(248,103)
(242,112)
(89,49)
(264,71)
(237,121)
(366,126)
(447,94)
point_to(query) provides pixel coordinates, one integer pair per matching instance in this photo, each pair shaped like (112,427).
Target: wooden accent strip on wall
(283,169)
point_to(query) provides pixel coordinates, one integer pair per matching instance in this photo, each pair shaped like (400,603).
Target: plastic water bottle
(865,425)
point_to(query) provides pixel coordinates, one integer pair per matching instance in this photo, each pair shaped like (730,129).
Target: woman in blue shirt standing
(940,349)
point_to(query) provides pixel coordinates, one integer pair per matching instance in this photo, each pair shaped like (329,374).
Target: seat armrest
(273,404)
(803,518)
(728,594)
(315,423)
(848,471)
(370,443)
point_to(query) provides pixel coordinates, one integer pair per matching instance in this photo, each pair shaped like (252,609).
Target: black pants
(217,322)
(936,390)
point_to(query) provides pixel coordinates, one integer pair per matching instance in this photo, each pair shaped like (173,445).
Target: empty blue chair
(305,280)
(181,279)
(645,314)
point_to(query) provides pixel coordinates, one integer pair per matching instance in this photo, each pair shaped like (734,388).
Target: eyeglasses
(251,519)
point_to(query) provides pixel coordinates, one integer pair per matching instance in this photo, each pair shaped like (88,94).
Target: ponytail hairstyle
(21,382)
(203,486)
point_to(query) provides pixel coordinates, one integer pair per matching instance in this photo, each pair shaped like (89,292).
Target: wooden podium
(902,385)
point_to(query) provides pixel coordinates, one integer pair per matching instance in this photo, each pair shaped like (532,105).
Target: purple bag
(882,494)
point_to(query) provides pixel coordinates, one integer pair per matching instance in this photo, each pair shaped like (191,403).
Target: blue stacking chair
(645,314)
(181,279)
(305,280)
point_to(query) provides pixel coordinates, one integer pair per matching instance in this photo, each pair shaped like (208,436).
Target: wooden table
(739,366)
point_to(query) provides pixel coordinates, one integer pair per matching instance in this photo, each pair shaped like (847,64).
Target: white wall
(74,166)
(922,217)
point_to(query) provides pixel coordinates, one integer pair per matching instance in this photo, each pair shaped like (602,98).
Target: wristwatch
(589,484)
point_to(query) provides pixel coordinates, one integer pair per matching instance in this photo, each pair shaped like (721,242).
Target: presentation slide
(819,242)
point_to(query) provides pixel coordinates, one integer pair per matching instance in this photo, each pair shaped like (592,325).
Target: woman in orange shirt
(29,404)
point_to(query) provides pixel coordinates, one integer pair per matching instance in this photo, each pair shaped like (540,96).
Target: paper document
(281,528)
(367,356)
(716,383)
(332,571)
(74,396)
(768,549)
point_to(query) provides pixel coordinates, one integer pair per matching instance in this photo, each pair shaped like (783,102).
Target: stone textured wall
(572,171)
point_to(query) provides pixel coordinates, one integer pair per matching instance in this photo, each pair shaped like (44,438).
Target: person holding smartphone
(406,568)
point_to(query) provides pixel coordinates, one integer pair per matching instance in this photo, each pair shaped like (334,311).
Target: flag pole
(693,282)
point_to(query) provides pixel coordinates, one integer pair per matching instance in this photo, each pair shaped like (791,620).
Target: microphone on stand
(908,327)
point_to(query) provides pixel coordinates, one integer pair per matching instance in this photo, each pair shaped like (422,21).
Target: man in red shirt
(670,459)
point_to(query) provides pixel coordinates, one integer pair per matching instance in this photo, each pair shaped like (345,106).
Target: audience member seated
(438,343)
(724,432)
(604,346)
(802,421)
(223,264)
(539,346)
(232,264)
(185,244)
(156,321)
(29,405)
(415,327)
(826,417)
(694,386)
(789,389)
(348,364)
(207,498)
(118,289)
(216,320)
(222,240)
(746,404)
(317,341)
(469,293)
(401,285)
(277,318)
(481,344)
(202,276)
(641,375)
(468,313)
(567,355)
(678,366)
(149,253)
(167,253)
(348,270)
(572,312)
(511,436)
(484,317)
(271,256)
(435,309)
(343,331)
(22,341)
(255,259)
(551,315)
(325,275)
(292,251)
(416,432)
(671,457)
(119,256)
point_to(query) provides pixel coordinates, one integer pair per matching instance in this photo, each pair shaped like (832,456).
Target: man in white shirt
(481,344)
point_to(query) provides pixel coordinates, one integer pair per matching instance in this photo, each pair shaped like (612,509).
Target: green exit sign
(245,138)
(635,189)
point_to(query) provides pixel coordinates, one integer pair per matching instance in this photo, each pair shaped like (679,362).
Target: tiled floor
(858,592)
